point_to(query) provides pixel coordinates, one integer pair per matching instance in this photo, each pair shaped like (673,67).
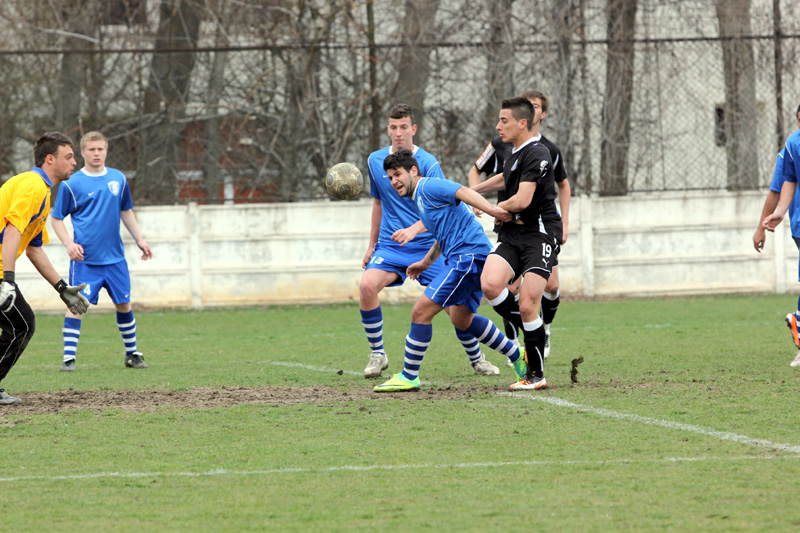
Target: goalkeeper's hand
(8,293)
(76,302)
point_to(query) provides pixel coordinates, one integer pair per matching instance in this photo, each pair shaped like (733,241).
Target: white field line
(371,468)
(723,435)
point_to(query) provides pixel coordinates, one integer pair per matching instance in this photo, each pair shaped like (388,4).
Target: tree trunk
(414,65)
(618,98)
(562,101)
(165,99)
(740,113)
(500,58)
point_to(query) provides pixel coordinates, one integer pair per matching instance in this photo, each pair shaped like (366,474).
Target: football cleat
(791,321)
(7,399)
(68,366)
(135,360)
(378,362)
(520,366)
(482,367)
(796,361)
(534,384)
(398,383)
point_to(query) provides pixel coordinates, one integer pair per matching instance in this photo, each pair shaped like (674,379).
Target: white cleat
(485,368)
(796,361)
(378,362)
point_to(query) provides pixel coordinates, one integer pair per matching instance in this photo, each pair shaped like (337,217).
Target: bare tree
(740,111)
(165,101)
(413,67)
(500,58)
(616,127)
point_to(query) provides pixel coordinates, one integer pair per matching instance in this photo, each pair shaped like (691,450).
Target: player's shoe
(68,366)
(796,361)
(135,360)
(378,362)
(398,383)
(7,399)
(546,341)
(520,366)
(534,384)
(791,321)
(482,367)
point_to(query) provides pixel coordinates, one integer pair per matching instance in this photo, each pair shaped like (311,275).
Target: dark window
(124,12)
(720,139)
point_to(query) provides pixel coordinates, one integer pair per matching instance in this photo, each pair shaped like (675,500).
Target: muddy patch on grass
(209,397)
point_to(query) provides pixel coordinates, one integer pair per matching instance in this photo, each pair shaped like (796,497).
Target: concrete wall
(669,243)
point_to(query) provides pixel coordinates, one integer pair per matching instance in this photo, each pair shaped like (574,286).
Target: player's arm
(404,235)
(475,200)
(129,219)
(787,193)
(522,199)
(414,270)
(770,203)
(74,250)
(564,196)
(493,184)
(11,240)
(474,176)
(71,296)
(374,231)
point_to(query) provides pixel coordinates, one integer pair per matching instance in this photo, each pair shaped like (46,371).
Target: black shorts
(527,251)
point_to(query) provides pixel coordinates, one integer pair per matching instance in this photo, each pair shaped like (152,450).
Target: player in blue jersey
(461,241)
(96,199)
(397,240)
(787,200)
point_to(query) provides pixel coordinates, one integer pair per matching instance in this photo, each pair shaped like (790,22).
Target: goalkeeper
(24,206)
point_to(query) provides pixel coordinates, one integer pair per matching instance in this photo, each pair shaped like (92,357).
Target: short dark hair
(48,144)
(521,108)
(530,95)
(401,159)
(798,110)
(402,111)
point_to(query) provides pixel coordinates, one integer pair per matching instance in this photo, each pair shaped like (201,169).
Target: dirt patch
(208,397)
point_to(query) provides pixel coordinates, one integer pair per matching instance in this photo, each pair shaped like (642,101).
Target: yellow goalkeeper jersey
(25,203)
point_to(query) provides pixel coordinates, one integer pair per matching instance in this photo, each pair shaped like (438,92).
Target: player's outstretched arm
(475,200)
(404,235)
(493,184)
(129,219)
(414,270)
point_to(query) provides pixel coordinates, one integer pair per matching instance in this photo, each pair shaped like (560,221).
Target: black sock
(511,330)
(509,310)
(534,351)
(549,308)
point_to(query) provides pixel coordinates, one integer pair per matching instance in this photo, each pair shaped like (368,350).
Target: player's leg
(18,325)
(497,272)
(373,281)
(417,342)
(550,301)
(533,332)
(118,285)
(79,272)
(510,329)
(477,359)
(486,332)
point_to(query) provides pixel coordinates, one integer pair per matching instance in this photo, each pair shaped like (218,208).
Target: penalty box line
(371,468)
(723,435)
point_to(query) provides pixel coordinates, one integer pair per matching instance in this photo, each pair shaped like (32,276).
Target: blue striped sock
(470,344)
(373,326)
(486,332)
(127,327)
(417,342)
(71,333)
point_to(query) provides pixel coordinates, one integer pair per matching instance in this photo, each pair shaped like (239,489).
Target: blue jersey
(95,203)
(777,183)
(451,221)
(399,212)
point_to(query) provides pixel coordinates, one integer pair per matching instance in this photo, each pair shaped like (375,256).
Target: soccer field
(684,417)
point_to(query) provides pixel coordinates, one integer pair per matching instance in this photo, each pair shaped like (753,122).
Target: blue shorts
(459,283)
(397,260)
(115,278)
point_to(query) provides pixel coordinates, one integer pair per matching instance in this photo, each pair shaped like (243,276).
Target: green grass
(632,446)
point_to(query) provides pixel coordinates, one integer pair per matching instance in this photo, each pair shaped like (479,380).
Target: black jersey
(491,160)
(559,169)
(532,163)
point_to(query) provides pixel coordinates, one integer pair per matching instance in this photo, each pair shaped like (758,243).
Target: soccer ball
(344,181)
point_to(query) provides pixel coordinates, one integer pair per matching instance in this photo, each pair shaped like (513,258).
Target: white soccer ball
(344,181)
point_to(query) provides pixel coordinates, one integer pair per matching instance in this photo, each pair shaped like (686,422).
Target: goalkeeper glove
(8,291)
(76,302)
